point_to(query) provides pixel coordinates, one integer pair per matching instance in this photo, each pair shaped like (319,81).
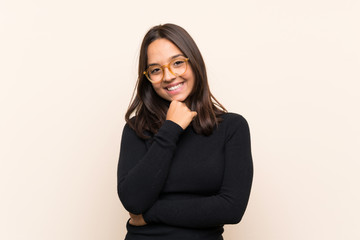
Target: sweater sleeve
(226,207)
(142,171)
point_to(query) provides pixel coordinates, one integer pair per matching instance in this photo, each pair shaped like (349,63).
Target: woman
(185,166)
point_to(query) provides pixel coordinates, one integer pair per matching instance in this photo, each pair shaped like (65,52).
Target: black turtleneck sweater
(186,185)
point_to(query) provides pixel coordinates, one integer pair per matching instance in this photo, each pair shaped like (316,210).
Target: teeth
(174,87)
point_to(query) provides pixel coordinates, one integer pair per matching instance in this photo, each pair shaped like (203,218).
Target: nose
(168,76)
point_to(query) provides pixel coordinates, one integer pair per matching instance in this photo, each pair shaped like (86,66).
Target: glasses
(177,67)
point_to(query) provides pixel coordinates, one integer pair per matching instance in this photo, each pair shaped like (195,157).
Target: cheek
(191,80)
(158,89)
(190,75)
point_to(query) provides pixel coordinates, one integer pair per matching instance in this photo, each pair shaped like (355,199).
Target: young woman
(185,166)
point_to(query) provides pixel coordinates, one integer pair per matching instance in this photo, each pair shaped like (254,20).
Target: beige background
(68,68)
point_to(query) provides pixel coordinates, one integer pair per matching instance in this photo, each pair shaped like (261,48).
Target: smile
(172,88)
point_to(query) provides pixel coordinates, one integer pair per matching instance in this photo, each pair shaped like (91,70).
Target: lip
(171,85)
(176,91)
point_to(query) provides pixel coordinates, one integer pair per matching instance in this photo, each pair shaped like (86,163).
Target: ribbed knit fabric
(186,185)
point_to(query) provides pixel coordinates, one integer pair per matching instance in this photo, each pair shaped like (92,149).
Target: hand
(137,220)
(180,114)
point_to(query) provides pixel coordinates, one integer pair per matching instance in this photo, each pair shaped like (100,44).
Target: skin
(162,51)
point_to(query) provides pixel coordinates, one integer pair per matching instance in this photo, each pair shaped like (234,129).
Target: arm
(141,171)
(226,207)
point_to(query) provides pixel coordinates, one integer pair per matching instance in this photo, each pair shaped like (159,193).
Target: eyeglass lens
(177,67)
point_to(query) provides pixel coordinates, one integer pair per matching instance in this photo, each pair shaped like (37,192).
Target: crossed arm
(142,175)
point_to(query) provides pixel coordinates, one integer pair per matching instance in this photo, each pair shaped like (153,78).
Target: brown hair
(150,109)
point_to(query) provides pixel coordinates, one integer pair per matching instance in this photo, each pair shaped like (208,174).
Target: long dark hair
(150,109)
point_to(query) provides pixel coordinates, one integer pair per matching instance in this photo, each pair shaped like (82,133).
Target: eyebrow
(171,58)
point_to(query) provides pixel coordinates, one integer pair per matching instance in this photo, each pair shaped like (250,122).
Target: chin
(180,99)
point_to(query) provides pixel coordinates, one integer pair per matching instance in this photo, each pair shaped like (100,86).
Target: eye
(178,63)
(155,70)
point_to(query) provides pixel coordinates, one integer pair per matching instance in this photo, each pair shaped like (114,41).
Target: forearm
(225,207)
(142,172)
(199,212)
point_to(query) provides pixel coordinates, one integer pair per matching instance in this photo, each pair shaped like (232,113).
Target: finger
(173,102)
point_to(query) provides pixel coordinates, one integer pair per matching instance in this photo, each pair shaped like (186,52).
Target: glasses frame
(168,67)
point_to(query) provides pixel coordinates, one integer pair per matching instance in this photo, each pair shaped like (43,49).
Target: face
(161,52)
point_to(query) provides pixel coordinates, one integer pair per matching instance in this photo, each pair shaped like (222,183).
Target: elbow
(234,214)
(132,204)
(234,217)
(131,208)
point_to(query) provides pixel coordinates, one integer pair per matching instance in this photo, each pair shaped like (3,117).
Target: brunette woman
(185,166)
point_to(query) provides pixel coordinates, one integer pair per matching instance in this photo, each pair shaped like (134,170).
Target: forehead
(161,50)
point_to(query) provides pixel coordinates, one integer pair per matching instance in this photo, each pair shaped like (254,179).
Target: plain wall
(68,69)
